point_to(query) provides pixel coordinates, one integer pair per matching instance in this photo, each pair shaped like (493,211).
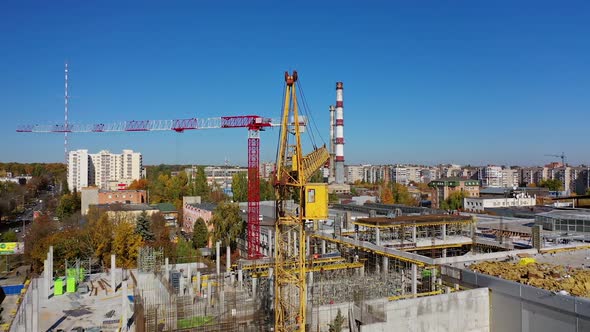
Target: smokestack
(339,134)
(332,169)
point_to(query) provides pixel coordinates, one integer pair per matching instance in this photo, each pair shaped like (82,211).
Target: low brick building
(95,196)
(193,211)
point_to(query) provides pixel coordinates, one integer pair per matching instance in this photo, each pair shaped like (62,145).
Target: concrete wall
(517,307)
(456,312)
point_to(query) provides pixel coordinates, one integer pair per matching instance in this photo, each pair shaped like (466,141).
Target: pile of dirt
(547,276)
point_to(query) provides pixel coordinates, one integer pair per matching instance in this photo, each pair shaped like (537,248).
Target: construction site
(391,268)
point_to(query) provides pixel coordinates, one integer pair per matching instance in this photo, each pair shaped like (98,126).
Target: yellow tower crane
(292,173)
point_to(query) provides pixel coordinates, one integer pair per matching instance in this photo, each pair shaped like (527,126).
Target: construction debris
(555,278)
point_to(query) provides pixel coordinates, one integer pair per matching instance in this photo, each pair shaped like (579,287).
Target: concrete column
(432,279)
(323,247)
(414,233)
(307,246)
(189,273)
(254,285)
(46,289)
(444,253)
(414,279)
(309,281)
(35,303)
(29,317)
(181,286)
(124,305)
(51,262)
(403,274)
(209,292)
(113,267)
(199,282)
(218,256)
(385,264)
(167,267)
(444,232)
(240,279)
(362,271)
(377,236)
(221,300)
(227,259)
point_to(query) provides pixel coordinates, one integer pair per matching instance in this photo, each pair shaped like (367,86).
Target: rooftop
(414,219)
(125,207)
(580,214)
(165,207)
(204,206)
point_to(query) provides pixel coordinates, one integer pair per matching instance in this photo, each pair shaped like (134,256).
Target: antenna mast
(66,116)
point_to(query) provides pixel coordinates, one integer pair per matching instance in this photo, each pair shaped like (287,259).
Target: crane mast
(293,171)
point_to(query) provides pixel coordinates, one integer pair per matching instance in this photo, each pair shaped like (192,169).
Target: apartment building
(497,176)
(103,169)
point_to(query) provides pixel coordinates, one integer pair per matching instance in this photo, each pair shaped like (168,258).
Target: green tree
(317,177)
(9,236)
(454,201)
(185,251)
(337,324)
(551,184)
(201,188)
(200,234)
(161,235)
(401,195)
(227,223)
(239,187)
(68,205)
(267,191)
(143,227)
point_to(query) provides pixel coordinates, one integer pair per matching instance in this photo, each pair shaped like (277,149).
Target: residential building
(532,175)
(354,173)
(79,170)
(103,169)
(582,183)
(446,186)
(497,176)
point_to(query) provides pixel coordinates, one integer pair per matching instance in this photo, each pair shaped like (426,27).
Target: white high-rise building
(78,169)
(102,168)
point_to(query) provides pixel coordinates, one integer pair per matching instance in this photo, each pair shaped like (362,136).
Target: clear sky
(478,82)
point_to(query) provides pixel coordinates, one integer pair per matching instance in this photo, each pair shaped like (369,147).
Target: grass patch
(194,321)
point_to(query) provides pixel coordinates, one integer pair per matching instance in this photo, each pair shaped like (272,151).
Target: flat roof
(422,219)
(580,214)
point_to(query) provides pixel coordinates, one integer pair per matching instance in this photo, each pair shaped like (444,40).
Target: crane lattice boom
(178,125)
(253,123)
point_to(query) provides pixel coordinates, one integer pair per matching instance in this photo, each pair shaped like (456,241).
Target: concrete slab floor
(69,311)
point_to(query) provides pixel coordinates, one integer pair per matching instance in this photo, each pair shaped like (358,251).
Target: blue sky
(470,82)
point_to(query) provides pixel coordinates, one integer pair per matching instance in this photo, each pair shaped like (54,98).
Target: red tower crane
(253,123)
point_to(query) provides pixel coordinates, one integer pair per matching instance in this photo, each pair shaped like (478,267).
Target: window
(311,196)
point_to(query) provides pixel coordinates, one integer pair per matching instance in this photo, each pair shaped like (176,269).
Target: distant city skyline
(501,83)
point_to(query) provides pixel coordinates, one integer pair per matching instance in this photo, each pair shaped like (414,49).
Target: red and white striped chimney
(339,134)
